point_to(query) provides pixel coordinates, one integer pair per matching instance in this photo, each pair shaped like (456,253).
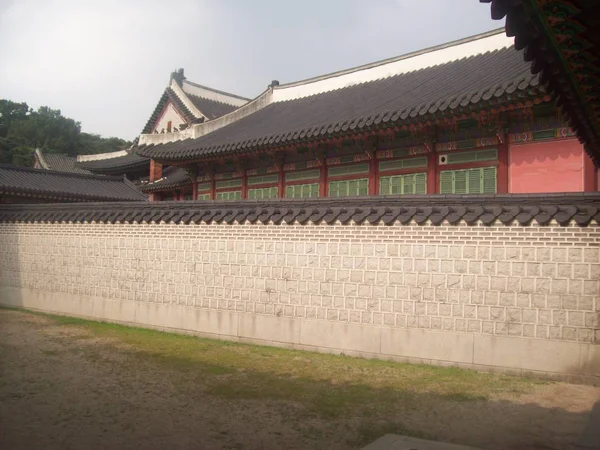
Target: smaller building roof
(59,162)
(120,163)
(65,186)
(173,178)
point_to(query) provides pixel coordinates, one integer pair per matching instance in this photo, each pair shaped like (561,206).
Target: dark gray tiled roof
(118,164)
(63,163)
(211,108)
(582,209)
(66,186)
(173,178)
(446,88)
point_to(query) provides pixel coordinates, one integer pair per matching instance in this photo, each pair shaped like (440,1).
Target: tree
(22,130)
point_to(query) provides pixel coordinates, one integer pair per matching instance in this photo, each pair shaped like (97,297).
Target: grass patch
(327,385)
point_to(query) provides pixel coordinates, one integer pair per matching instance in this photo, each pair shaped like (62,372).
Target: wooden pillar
(281,182)
(213,188)
(502,175)
(244,184)
(155,170)
(323,179)
(194,190)
(590,177)
(432,172)
(371,148)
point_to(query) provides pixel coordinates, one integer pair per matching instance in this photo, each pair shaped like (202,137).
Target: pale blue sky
(106,62)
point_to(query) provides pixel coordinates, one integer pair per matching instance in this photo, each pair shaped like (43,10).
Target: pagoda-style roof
(194,102)
(65,186)
(562,40)
(59,162)
(118,162)
(455,79)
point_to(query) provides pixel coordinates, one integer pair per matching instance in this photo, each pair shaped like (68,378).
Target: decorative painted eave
(562,40)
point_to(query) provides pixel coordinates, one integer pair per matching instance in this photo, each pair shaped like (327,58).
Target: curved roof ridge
(409,62)
(217,91)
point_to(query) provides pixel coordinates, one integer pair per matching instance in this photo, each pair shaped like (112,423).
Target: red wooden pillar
(323,179)
(281,182)
(373,171)
(432,173)
(213,188)
(155,170)
(590,177)
(244,184)
(502,175)
(195,190)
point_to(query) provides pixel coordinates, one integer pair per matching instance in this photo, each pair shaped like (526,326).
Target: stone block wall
(506,297)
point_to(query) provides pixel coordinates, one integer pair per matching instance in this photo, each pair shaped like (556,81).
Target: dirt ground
(63,387)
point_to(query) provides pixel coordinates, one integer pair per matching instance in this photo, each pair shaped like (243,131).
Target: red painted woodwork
(280,183)
(195,190)
(213,189)
(502,170)
(590,176)
(323,181)
(155,170)
(550,166)
(432,173)
(373,169)
(244,185)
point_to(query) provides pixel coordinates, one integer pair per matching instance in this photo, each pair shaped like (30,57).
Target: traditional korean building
(466,117)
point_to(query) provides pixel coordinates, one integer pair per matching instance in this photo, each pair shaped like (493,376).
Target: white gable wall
(169,114)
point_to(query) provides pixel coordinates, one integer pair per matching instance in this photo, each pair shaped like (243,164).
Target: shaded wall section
(550,166)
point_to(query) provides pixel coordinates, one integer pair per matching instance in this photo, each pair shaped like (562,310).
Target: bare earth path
(76,386)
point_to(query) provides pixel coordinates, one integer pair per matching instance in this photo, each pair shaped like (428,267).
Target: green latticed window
(414,183)
(258,194)
(469,181)
(203,196)
(349,188)
(229,195)
(189,196)
(302,191)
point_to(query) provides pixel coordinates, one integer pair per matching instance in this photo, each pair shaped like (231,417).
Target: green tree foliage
(23,129)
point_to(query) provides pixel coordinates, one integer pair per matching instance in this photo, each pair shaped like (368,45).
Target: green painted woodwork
(349,188)
(302,190)
(414,183)
(403,164)
(204,187)
(304,175)
(229,195)
(475,156)
(481,180)
(188,197)
(263,179)
(203,196)
(262,193)
(229,183)
(348,170)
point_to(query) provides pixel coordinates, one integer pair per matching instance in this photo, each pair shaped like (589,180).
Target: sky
(105,63)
